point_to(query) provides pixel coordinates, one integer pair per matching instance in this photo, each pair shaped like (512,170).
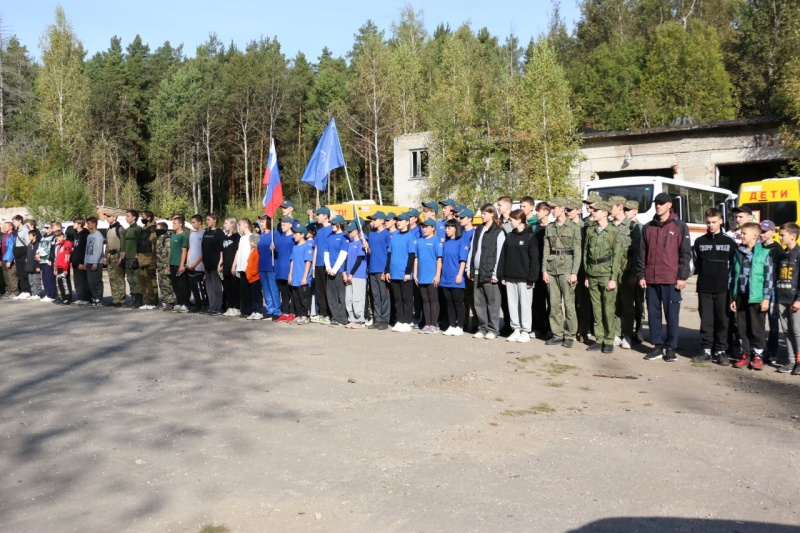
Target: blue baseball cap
(338,219)
(390,215)
(379,215)
(431,205)
(413,212)
(466,213)
(458,208)
(403,216)
(297,227)
(450,202)
(323,211)
(352,227)
(429,222)
(287,203)
(289,220)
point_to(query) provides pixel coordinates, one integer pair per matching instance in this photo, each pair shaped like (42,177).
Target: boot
(138,301)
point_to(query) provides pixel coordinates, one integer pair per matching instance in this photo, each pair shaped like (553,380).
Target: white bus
(690,200)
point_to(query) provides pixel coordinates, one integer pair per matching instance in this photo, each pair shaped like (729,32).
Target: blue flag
(327,156)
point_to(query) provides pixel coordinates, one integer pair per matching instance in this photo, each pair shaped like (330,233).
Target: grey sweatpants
(354,299)
(487,307)
(214,291)
(35,281)
(790,324)
(95,279)
(520,303)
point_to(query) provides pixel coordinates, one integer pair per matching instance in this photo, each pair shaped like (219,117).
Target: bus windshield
(778,212)
(641,193)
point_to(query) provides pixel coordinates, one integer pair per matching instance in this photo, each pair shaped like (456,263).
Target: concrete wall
(407,190)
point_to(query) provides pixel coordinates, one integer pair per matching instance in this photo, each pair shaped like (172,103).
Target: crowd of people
(540,271)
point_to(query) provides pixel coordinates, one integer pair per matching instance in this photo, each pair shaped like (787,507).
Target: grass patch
(586,388)
(556,384)
(210,528)
(495,424)
(648,404)
(698,364)
(499,399)
(533,410)
(556,368)
(529,359)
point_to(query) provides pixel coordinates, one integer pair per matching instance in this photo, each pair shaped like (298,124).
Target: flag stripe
(273,198)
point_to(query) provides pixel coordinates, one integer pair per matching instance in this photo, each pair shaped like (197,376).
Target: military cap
(602,206)
(558,201)
(632,204)
(617,200)
(592,198)
(573,203)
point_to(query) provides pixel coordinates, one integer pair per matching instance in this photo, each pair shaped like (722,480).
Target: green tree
(685,75)
(63,90)
(60,195)
(547,129)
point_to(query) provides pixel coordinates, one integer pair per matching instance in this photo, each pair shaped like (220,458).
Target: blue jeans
(272,296)
(668,298)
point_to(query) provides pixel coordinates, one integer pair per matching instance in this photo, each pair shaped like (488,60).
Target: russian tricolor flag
(272,181)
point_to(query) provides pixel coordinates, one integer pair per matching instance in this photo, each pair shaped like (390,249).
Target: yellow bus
(364,208)
(772,199)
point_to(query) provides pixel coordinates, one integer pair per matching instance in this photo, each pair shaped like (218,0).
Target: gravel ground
(116,420)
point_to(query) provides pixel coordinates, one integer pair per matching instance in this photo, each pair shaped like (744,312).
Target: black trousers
(713,321)
(180,285)
(286,296)
(403,293)
(245,294)
(64,285)
(506,330)
(81,284)
(470,315)
(430,303)
(230,291)
(94,281)
(455,306)
(321,290)
(380,297)
(198,287)
(301,300)
(21,262)
(541,310)
(750,321)
(336,292)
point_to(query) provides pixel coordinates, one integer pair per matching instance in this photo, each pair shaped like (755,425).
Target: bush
(238,210)
(165,203)
(60,195)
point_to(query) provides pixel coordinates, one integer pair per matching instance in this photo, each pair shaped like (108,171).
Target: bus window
(641,193)
(778,212)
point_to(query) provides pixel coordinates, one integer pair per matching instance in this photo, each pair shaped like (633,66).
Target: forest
(175,130)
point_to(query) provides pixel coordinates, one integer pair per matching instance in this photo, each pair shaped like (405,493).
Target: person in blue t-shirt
(399,267)
(455,253)
(300,274)
(465,217)
(284,244)
(378,248)
(355,278)
(391,223)
(324,229)
(431,211)
(427,272)
(335,255)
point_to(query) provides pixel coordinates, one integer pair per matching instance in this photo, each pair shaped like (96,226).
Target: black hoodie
(519,260)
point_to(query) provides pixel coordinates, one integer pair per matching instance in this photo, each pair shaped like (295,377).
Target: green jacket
(129,238)
(562,248)
(603,253)
(757,274)
(628,260)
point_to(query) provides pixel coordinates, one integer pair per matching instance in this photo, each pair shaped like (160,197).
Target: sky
(305,26)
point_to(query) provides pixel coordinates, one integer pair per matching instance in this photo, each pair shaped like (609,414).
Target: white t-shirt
(195,248)
(244,251)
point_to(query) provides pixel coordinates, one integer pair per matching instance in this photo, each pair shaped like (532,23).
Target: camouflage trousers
(116,277)
(132,274)
(165,286)
(148,281)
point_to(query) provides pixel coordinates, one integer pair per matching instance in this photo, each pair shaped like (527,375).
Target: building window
(419,164)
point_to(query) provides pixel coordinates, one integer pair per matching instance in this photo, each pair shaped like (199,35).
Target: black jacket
(519,260)
(713,257)
(484,268)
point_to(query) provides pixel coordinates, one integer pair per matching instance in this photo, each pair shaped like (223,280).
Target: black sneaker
(656,353)
(704,358)
(567,343)
(785,369)
(553,341)
(670,356)
(796,369)
(722,359)
(383,326)
(608,348)
(596,347)
(335,324)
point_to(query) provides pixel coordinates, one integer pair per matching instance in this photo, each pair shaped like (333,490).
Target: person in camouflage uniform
(129,238)
(623,320)
(115,265)
(632,211)
(162,266)
(602,259)
(562,259)
(583,305)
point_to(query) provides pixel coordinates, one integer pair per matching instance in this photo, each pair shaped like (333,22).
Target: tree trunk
(246,167)
(207,139)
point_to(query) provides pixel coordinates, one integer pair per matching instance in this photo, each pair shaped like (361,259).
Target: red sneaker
(282,318)
(757,363)
(289,318)
(743,361)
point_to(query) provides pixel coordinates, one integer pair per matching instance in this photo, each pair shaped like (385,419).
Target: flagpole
(355,207)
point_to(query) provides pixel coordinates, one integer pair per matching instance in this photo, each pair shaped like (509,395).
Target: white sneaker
(514,337)
(396,327)
(83,303)
(524,337)
(47,299)
(448,331)
(23,296)
(368,323)
(617,341)
(34,297)
(626,343)
(255,316)
(183,309)
(146,307)
(478,335)
(490,336)
(407,328)
(457,332)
